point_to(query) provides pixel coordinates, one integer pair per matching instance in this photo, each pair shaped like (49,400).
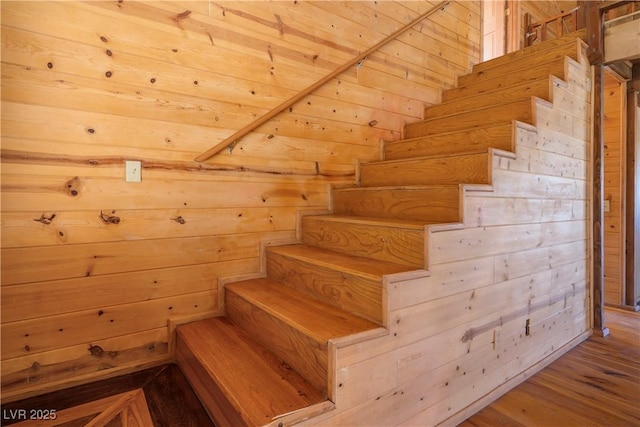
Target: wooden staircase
(269,359)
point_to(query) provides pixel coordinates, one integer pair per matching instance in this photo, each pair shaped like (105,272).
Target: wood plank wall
(93,267)
(504,294)
(614,193)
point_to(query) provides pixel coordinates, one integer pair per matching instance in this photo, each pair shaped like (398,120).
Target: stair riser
(503,82)
(302,353)
(357,295)
(464,168)
(514,67)
(540,88)
(529,51)
(397,245)
(476,139)
(499,114)
(212,397)
(439,205)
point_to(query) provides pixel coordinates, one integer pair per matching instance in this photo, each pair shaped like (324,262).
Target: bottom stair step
(239,381)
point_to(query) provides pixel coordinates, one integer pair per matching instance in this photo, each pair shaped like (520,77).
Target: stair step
(467,168)
(495,115)
(569,49)
(295,327)
(383,239)
(239,381)
(531,74)
(347,282)
(531,50)
(540,88)
(430,203)
(497,136)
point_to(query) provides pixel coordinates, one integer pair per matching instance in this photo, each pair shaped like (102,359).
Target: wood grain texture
(48,333)
(621,41)
(557,53)
(399,242)
(614,99)
(485,318)
(306,354)
(502,82)
(539,88)
(462,168)
(494,115)
(87,86)
(534,49)
(344,281)
(277,317)
(422,203)
(257,371)
(499,136)
(597,380)
(502,299)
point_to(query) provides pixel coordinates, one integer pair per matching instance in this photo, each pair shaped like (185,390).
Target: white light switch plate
(133,171)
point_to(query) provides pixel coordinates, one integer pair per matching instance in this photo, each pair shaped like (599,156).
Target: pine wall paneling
(614,143)
(94,268)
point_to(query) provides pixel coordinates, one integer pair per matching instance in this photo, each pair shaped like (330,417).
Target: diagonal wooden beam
(300,95)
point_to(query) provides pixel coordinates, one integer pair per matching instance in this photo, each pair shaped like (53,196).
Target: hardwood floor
(595,384)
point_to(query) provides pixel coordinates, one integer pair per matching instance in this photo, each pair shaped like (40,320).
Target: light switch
(607,206)
(133,170)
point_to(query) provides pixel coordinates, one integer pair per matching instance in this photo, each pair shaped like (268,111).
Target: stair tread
(293,307)
(350,264)
(259,386)
(383,222)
